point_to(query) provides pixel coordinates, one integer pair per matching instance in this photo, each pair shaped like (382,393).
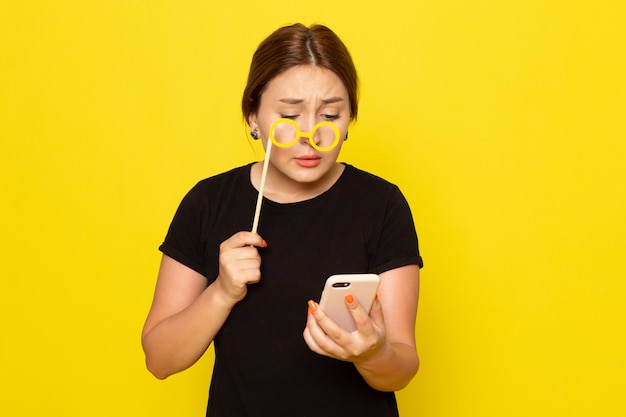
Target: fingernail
(312,307)
(264,243)
(349,299)
(376,297)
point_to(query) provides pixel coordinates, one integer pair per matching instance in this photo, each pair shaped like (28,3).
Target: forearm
(390,369)
(177,342)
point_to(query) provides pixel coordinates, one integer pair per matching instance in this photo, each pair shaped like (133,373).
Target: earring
(346,138)
(255,134)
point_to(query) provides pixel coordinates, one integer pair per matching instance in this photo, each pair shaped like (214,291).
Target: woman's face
(308,95)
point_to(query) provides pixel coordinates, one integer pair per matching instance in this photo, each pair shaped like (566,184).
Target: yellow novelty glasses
(285,133)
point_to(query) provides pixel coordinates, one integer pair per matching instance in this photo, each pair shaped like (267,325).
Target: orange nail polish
(312,307)
(264,243)
(349,299)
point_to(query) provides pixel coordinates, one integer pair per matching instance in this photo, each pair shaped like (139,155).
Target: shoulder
(210,191)
(375,193)
(356,180)
(234,178)
(357,174)
(225,178)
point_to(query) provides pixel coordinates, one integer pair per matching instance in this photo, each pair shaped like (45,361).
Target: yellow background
(502,121)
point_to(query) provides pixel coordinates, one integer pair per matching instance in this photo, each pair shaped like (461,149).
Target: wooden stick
(259,200)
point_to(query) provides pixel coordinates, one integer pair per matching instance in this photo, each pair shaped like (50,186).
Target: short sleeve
(398,244)
(183,241)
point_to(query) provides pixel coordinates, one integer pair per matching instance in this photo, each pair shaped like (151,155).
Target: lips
(308,161)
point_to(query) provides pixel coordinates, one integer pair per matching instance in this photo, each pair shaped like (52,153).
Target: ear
(252,122)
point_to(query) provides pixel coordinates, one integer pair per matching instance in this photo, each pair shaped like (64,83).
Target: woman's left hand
(325,337)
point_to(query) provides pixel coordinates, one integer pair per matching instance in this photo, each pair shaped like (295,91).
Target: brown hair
(295,45)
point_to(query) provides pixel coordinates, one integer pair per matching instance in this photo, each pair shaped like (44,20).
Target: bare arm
(186,314)
(383,346)
(397,362)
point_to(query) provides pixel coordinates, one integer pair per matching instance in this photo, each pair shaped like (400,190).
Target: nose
(306,132)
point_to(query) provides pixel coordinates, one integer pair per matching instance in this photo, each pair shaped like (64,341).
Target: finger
(243,238)
(247,256)
(240,259)
(319,342)
(328,333)
(376,313)
(248,275)
(309,339)
(360,316)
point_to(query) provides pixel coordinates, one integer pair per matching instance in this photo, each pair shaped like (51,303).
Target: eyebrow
(299,100)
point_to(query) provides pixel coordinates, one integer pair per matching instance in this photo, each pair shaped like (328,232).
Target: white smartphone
(362,286)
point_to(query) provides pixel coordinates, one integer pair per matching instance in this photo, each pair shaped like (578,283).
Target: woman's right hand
(177,333)
(240,265)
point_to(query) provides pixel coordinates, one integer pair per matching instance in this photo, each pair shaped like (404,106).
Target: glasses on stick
(285,133)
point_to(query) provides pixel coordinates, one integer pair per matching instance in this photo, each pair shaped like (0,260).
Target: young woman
(253,294)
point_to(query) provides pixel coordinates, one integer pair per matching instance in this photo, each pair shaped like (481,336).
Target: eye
(330,117)
(288,116)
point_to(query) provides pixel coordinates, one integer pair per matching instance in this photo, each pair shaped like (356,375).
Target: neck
(282,189)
